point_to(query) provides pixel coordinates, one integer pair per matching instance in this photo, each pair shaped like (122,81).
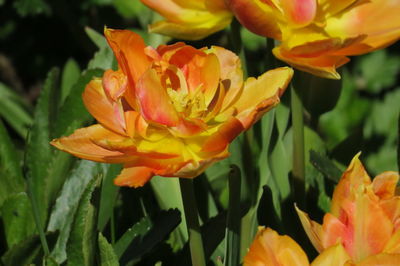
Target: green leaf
(31,7)
(82,240)
(15,111)
(63,213)
(107,254)
(17,218)
(11,179)
(27,252)
(71,73)
(108,195)
(96,37)
(38,148)
(73,113)
(378,70)
(325,166)
(144,235)
(169,200)
(103,59)
(232,236)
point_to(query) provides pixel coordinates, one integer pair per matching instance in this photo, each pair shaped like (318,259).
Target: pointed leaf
(325,166)
(38,148)
(71,73)
(82,241)
(63,213)
(107,254)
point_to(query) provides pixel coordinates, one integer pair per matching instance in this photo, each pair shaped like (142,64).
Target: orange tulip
(269,248)
(316,36)
(170,111)
(364,217)
(190,19)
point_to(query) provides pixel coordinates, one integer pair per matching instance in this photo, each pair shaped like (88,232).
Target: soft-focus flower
(317,35)
(170,111)
(190,19)
(270,248)
(364,217)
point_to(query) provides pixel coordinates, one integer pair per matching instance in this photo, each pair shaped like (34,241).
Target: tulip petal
(334,256)
(261,94)
(381,260)
(82,144)
(106,112)
(128,48)
(300,13)
(225,134)
(269,248)
(323,66)
(313,229)
(368,217)
(256,16)
(231,75)
(155,104)
(134,176)
(189,20)
(362,20)
(352,179)
(384,185)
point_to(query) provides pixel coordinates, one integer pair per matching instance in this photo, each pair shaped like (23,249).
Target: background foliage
(56,209)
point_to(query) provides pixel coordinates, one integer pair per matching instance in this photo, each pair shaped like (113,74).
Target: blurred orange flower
(270,248)
(316,36)
(170,111)
(364,218)
(190,19)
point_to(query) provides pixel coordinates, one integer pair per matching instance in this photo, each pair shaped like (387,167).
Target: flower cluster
(362,228)
(314,35)
(170,111)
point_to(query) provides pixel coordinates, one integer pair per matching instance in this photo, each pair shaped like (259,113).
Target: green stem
(237,45)
(270,58)
(298,170)
(192,222)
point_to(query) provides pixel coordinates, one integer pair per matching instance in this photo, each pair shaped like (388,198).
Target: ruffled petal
(134,177)
(323,66)
(384,185)
(381,260)
(128,48)
(261,94)
(106,111)
(82,144)
(155,104)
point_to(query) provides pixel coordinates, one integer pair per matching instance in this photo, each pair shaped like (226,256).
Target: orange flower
(316,36)
(364,217)
(170,111)
(190,19)
(269,248)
